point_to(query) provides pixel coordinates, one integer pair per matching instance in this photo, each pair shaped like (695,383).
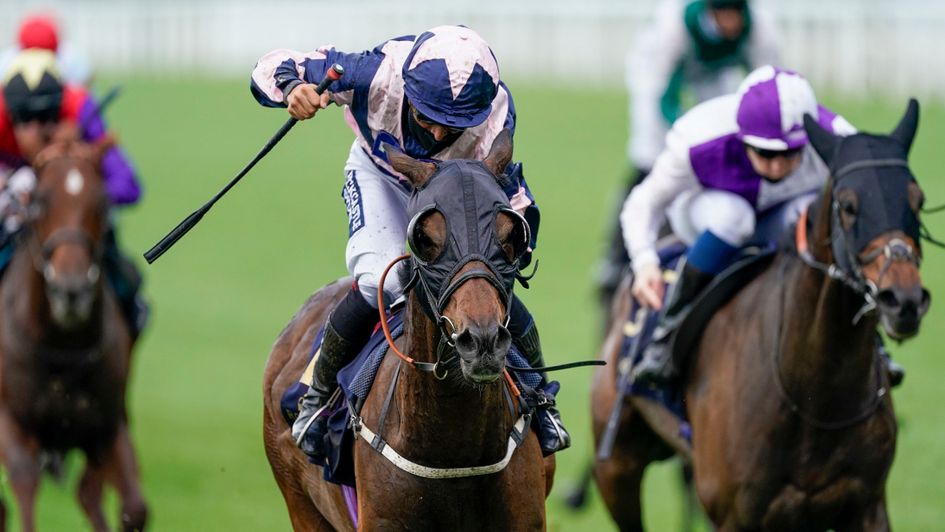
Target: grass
(225,291)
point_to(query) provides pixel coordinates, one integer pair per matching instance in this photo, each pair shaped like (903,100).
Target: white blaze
(74,182)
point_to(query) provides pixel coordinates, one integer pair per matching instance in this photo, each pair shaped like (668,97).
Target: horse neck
(823,353)
(447,422)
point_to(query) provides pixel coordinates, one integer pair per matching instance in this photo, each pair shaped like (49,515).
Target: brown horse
(65,349)
(792,424)
(463,421)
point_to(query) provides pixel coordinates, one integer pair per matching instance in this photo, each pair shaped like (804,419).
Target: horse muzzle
(901,309)
(482,351)
(71,296)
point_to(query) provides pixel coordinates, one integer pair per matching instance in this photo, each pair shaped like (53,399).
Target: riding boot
(553,436)
(347,330)
(657,365)
(895,371)
(311,426)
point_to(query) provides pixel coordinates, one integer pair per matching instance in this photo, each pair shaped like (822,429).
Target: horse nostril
(926,301)
(465,342)
(503,340)
(887,299)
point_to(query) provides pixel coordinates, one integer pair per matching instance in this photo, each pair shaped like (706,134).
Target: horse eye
(849,208)
(513,234)
(916,197)
(428,236)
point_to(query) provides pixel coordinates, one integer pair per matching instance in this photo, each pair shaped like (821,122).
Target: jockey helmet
(32,87)
(771,108)
(451,76)
(39,31)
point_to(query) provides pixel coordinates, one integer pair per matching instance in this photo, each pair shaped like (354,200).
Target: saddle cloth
(749,264)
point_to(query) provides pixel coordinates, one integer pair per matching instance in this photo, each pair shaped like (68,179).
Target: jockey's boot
(347,330)
(311,426)
(553,437)
(657,365)
(895,371)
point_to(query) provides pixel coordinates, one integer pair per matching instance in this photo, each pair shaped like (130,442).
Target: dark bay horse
(463,421)
(793,427)
(65,348)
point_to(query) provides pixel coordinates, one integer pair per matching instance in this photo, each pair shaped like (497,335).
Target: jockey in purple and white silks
(437,96)
(737,169)
(692,51)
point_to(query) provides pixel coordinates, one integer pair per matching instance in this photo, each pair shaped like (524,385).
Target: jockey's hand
(648,286)
(304,102)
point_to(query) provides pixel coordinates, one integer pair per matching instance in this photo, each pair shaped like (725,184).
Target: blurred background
(220,297)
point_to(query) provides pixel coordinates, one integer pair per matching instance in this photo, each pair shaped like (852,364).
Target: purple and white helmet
(451,76)
(771,109)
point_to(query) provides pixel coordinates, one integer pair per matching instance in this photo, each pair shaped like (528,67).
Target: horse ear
(418,172)
(500,153)
(905,131)
(824,142)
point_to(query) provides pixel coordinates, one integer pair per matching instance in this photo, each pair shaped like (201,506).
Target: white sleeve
(645,208)
(649,69)
(764,46)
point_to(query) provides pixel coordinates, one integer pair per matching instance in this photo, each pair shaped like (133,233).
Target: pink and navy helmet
(771,109)
(451,76)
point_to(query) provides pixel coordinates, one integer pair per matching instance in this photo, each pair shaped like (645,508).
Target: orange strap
(381,308)
(800,233)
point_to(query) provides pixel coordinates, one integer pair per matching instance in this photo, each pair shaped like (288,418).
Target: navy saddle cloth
(355,381)
(639,326)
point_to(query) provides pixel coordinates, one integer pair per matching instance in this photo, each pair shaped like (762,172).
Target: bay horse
(460,422)
(65,349)
(793,427)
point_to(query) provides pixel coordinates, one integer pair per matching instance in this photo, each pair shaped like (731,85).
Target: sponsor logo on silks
(352,196)
(380,140)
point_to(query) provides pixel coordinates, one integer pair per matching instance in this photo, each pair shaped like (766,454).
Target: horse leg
(289,472)
(619,480)
(122,471)
(20,454)
(89,494)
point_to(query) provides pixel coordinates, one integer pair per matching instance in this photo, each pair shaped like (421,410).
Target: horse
(450,425)
(791,421)
(65,349)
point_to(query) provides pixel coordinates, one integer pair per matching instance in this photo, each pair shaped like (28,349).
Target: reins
(796,408)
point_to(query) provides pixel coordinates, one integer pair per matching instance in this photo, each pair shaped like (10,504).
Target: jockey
(437,96)
(35,104)
(737,169)
(695,50)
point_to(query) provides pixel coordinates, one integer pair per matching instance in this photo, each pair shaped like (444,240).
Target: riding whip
(609,435)
(334,73)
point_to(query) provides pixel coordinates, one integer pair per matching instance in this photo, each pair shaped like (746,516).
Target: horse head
(874,225)
(466,242)
(66,220)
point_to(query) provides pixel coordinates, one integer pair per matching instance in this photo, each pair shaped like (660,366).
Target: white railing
(856,46)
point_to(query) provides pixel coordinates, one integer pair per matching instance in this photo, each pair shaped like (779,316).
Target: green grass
(225,291)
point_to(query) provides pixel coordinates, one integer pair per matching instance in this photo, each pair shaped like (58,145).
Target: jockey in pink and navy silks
(437,96)
(737,169)
(34,104)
